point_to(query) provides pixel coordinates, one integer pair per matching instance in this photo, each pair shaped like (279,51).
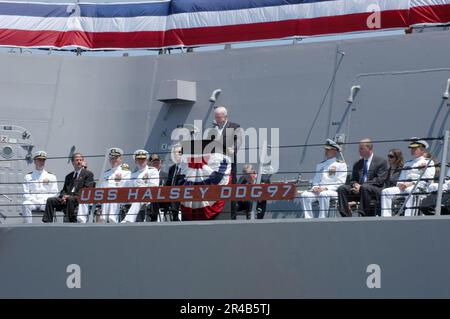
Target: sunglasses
(391,156)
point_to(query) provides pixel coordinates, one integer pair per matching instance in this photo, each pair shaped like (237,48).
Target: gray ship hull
(88,104)
(262,259)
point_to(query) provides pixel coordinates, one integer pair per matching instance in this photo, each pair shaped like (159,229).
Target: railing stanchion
(443,171)
(258,178)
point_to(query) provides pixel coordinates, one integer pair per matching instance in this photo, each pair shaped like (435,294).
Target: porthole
(7,152)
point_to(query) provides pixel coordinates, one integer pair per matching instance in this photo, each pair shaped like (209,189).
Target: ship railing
(286,176)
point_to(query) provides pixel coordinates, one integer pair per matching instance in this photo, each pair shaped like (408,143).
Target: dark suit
(231,137)
(162,178)
(152,213)
(428,205)
(156,206)
(392,177)
(174,177)
(247,206)
(376,177)
(72,187)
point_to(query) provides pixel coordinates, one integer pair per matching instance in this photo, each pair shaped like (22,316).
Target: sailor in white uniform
(116,176)
(144,176)
(330,174)
(445,187)
(37,187)
(409,178)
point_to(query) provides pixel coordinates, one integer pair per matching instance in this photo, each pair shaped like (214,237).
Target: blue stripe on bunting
(128,10)
(184,6)
(33,9)
(213,179)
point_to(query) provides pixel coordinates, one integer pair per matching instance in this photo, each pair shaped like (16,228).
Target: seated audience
(367,180)
(68,197)
(409,178)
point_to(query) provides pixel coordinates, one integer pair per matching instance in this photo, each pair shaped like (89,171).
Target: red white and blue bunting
(175,23)
(209,169)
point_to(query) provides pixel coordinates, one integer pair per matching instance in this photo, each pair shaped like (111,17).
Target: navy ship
(60,95)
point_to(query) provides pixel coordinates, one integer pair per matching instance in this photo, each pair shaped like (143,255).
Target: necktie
(75,177)
(175,175)
(364,175)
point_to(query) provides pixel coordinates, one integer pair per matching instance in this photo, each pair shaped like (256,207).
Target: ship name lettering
(174,193)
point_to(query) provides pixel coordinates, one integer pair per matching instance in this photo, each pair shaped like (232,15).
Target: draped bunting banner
(175,23)
(206,169)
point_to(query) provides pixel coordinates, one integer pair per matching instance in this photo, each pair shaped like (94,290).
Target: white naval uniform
(445,187)
(146,177)
(410,173)
(38,186)
(114,177)
(330,174)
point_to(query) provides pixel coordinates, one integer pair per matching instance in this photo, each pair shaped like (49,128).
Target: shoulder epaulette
(50,172)
(30,172)
(107,170)
(323,161)
(340,161)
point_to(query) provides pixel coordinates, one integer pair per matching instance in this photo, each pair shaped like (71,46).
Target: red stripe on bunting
(224,34)
(91,40)
(282,29)
(430,14)
(199,36)
(203,213)
(198,162)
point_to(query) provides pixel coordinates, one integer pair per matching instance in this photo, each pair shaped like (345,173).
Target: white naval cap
(40,155)
(331,145)
(416,142)
(115,151)
(139,154)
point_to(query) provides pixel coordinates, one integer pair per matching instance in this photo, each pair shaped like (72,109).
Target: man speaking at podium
(230,135)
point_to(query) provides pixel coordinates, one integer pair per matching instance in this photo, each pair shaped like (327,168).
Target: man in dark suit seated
(428,205)
(368,176)
(249,176)
(156,162)
(174,178)
(67,199)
